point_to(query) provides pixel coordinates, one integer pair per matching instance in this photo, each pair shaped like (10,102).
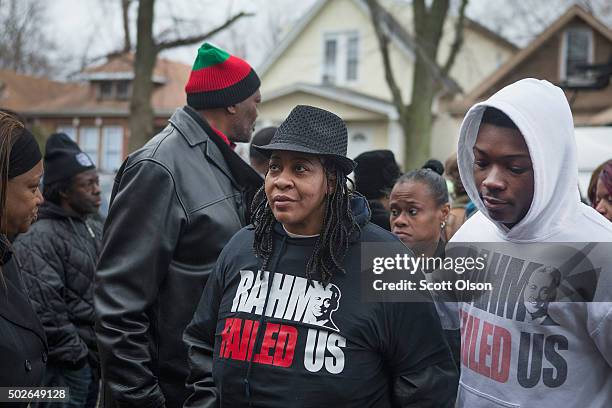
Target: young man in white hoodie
(517,160)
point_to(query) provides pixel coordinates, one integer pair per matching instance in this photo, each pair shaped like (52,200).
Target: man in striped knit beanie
(176,202)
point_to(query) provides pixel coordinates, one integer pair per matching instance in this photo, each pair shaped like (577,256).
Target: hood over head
(360,209)
(541,112)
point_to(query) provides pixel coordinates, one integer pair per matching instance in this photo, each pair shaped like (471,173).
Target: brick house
(94,109)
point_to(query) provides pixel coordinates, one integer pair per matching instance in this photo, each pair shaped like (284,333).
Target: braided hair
(333,241)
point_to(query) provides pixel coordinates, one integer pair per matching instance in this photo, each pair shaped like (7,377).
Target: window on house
(69,130)
(352,57)
(329,66)
(123,90)
(341,57)
(112,148)
(577,51)
(88,141)
(106,90)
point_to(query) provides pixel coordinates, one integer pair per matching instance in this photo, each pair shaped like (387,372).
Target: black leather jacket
(176,202)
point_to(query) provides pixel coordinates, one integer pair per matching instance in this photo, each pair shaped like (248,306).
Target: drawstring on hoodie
(247,384)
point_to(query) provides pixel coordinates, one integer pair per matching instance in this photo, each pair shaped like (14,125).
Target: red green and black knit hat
(219,79)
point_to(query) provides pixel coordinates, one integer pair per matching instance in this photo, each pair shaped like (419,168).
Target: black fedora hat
(314,131)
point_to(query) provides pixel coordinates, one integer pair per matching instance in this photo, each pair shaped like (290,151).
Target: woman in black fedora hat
(281,322)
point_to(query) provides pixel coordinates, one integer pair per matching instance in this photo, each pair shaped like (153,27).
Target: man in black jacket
(175,204)
(58,261)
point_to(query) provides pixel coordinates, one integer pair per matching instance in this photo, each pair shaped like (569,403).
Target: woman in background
(419,210)
(592,188)
(461,206)
(23,348)
(602,199)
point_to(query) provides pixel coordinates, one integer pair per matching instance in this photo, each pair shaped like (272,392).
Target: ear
(231,109)
(444,211)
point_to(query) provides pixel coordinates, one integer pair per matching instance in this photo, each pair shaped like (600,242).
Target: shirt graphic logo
(291,299)
(541,289)
(323,302)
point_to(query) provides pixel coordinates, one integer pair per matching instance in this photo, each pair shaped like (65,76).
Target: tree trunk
(142,115)
(428,24)
(417,126)
(141,112)
(416,120)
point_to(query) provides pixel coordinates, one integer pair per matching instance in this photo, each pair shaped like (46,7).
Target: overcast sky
(93,27)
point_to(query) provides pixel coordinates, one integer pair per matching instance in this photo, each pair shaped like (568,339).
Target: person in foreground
(298,334)
(176,203)
(517,159)
(23,345)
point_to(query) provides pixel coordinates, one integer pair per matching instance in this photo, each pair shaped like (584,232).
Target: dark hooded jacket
(23,347)
(58,258)
(380,215)
(316,346)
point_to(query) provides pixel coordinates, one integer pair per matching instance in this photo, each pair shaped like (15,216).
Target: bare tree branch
(383,43)
(125,9)
(161,37)
(24,47)
(201,37)
(416,119)
(162,45)
(458,41)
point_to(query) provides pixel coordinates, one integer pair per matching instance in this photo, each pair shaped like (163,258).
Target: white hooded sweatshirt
(562,359)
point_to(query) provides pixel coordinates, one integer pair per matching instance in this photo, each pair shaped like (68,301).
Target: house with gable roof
(331,59)
(560,55)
